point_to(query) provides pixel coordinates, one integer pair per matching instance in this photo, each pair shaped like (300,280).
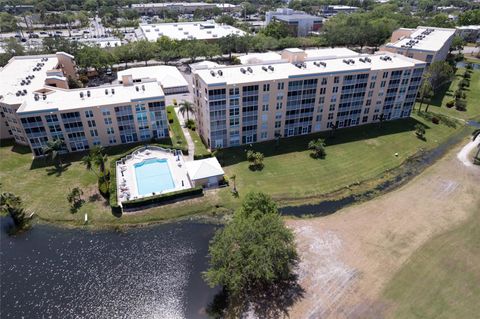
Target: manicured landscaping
(442,279)
(439,102)
(200,150)
(353,155)
(178,139)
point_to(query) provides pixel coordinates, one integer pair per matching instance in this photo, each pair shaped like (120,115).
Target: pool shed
(205,172)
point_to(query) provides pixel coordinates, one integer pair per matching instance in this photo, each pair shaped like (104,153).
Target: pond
(152,272)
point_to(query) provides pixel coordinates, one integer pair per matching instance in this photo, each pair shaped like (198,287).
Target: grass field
(442,279)
(200,149)
(178,139)
(439,101)
(353,155)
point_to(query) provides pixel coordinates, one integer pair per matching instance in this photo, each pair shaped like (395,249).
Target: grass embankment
(178,139)
(353,155)
(200,150)
(442,279)
(439,101)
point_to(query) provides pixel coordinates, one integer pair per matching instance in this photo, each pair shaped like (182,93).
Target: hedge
(157,199)
(113,172)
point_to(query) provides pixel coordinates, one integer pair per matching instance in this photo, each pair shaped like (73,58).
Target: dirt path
(466,150)
(349,256)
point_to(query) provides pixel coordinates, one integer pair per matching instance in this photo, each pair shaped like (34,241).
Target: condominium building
(238,105)
(299,22)
(180,7)
(38,106)
(423,43)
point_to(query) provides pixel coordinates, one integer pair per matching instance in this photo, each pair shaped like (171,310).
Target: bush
(450,104)
(190,124)
(162,198)
(435,120)
(461,105)
(174,101)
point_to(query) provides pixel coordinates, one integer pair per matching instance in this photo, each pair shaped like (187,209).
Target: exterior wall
(205,181)
(230,115)
(400,33)
(10,126)
(84,128)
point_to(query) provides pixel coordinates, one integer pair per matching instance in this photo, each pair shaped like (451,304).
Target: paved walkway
(186,132)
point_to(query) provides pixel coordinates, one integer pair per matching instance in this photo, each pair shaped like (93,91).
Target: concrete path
(186,132)
(463,155)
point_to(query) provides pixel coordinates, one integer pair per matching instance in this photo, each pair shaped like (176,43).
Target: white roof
(62,100)
(182,4)
(329,53)
(203,65)
(17,69)
(102,42)
(204,168)
(254,58)
(469,27)
(189,30)
(430,42)
(286,70)
(167,76)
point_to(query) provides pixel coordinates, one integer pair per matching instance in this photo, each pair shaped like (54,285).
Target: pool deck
(126,180)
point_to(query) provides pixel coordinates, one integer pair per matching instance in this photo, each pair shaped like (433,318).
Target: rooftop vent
(264,68)
(137,89)
(24,91)
(361,60)
(36,97)
(243,70)
(220,72)
(113,91)
(143,87)
(18,93)
(351,61)
(44,97)
(271,68)
(212,73)
(88,93)
(81,95)
(346,61)
(249,69)
(106,91)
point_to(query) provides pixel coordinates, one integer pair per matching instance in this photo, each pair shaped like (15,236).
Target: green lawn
(353,155)
(200,149)
(442,279)
(439,101)
(178,139)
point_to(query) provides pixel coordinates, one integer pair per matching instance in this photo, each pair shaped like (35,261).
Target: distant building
(310,55)
(423,43)
(168,77)
(470,33)
(180,7)
(206,30)
(331,10)
(18,9)
(299,22)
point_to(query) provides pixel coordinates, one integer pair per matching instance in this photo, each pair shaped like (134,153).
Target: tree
(425,92)
(94,57)
(255,159)
(457,44)
(97,158)
(53,150)
(277,30)
(420,130)
(253,255)
(234,178)
(75,199)
(186,107)
(144,50)
(11,205)
(318,148)
(439,73)
(124,53)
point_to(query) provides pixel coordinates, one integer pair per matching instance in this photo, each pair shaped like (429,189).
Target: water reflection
(152,272)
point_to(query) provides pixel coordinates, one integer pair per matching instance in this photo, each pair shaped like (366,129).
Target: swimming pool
(153,176)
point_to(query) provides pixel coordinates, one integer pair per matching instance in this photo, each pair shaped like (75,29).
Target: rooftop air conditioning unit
(212,73)
(137,89)
(106,91)
(243,70)
(271,68)
(264,68)
(88,93)
(143,87)
(44,97)
(249,69)
(113,91)
(36,97)
(220,72)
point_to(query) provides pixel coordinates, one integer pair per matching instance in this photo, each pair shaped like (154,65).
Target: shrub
(420,130)
(461,105)
(435,120)
(450,104)
(162,198)
(190,124)
(174,101)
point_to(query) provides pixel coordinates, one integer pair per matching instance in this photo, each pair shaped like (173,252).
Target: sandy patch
(348,257)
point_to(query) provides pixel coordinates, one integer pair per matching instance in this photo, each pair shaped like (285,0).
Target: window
(321,100)
(278,124)
(336,80)
(112,140)
(332,107)
(265,107)
(385,75)
(234,91)
(372,85)
(324,81)
(88,113)
(319,118)
(110,130)
(93,133)
(91,123)
(280,85)
(330,116)
(107,120)
(366,110)
(234,121)
(266,87)
(263,135)
(279,105)
(105,112)
(278,116)
(322,91)
(369,102)
(382,85)
(335,89)
(364,119)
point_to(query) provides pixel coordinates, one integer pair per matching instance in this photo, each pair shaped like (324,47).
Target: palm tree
(234,178)
(97,158)
(186,107)
(52,150)
(11,204)
(318,148)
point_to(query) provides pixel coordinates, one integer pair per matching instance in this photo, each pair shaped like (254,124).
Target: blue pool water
(153,176)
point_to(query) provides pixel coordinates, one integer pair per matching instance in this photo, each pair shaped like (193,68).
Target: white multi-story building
(423,43)
(180,7)
(299,95)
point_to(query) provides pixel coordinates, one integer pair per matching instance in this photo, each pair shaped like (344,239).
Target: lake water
(152,272)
